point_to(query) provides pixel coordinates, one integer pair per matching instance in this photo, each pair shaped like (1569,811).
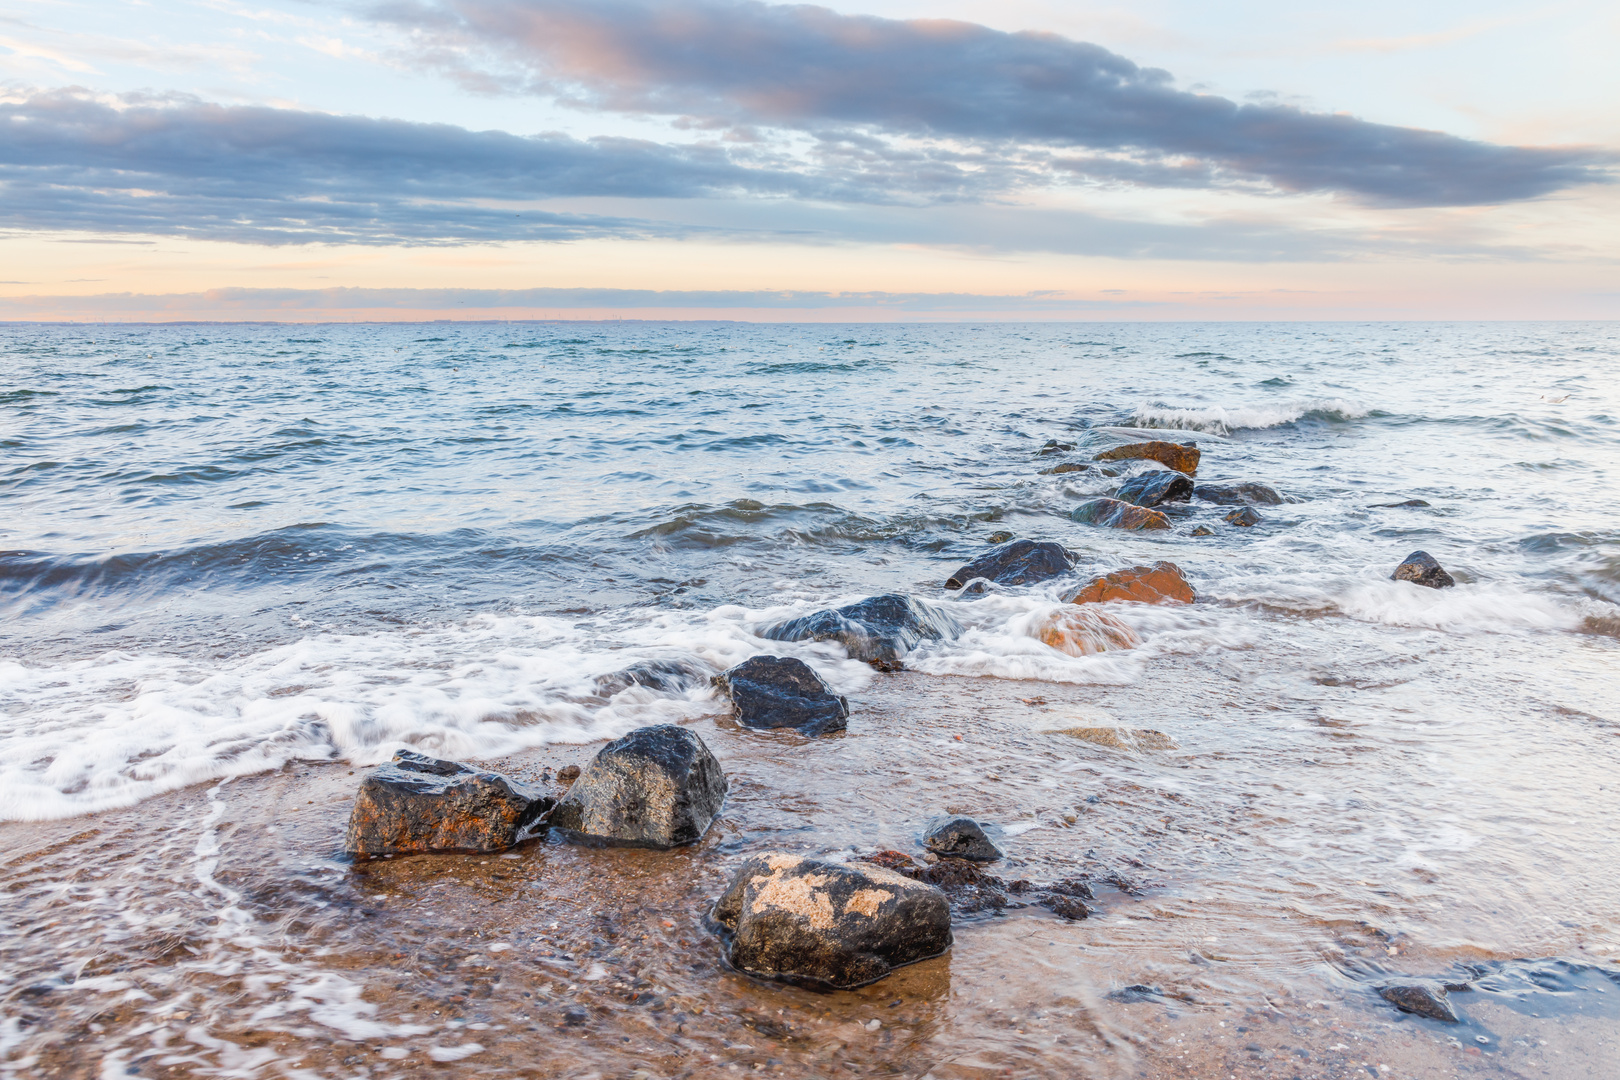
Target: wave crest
(1217,420)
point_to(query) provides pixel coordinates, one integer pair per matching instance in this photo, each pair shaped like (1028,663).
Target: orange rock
(1161,583)
(1183,459)
(1114,514)
(1081,632)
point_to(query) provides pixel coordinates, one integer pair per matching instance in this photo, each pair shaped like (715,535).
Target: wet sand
(1312,833)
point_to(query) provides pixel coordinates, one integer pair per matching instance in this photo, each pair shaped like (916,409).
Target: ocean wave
(1217,420)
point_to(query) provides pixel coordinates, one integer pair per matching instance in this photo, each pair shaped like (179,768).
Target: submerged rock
(658,787)
(1203,530)
(782,692)
(1245,494)
(960,838)
(879,630)
(1022,562)
(1083,632)
(1120,738)
(669,676)
(1065,467)
(1114,514)
(1420,568)
(1158,486)
(1163,582)
(1421,997)
(1183,459)
(1399,505)
(1000,536)
(419,803)
(1054,447)
(1246,518)
(805,920)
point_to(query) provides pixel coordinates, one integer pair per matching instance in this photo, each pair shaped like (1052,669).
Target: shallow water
(236,551)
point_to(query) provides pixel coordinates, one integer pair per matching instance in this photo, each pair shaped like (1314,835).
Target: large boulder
(1420,568)
(1022,562)
(960,838)
(1114,514)
(1082,631)
(420,803)
(1153,488)
(658,787)
(879,630)
(831,924)
(1183,459)
(1247,493)
(782,692)
(1163,582)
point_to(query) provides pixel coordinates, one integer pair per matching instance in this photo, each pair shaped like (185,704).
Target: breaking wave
(1217,420)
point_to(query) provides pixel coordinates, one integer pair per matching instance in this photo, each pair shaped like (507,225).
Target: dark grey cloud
(752,65)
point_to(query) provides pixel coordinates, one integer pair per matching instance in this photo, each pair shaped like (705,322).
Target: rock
(1067,898)
(658,787)
(969,889)
(419,803)
(1420,569)
(1137,992)
(1399,505)
(1022,562)
(960,838)
(1119,738)
(1422,997)
(779,692)
(1183,459)
(1244,494)
(1153,488)
(1161,583)
(1203,530)
(805,920)
(1054,447)
(1245,517)
(1065,467)
(1000,536)
(1083,632)
(1119,515)
(879,630)
(568,774)
(898,861)
(669,676)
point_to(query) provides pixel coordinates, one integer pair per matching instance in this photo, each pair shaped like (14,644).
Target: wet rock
(879,630)
(1420,997)
(1022,562)
(568,774)
(419,803)
(1067,898)
(810,921)
(1082,632)
(1246,518)
(1121,738)
(1153,488)
(1203,530)
(1065,467)
(1183,459)
(1399,505)
(1114,514)
(969,889)
(1247,493)
(1420,568)
(669,676)
(1054,447)
(960,838)
(1161,583)
(658,787)
(782,692)
(1137,992)
(898,861)
(1000,536)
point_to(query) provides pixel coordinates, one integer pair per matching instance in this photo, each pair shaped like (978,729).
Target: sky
(308,160)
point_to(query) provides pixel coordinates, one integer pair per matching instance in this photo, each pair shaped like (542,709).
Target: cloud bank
(1052,103)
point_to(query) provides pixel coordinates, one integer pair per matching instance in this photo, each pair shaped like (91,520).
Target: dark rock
(575,1017)
(1421,997)
(969,889)
(1067,898)
(1421,569)
(1113,514)
(809,921)
(1246,518)
(1022,562)
(1153,488)
(1203,530)
(898,861)
(1243,494)
(1161,583)
(879,630)
(1137,992)
(1054,447)
(1065,467)
(1000,536)
(658,787)
(960,838)
(1397,506)
(779,692)
(419,803)
(1183,459)
(568,774)
(669,676)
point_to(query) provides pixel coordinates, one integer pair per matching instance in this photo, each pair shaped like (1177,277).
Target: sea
(238,551)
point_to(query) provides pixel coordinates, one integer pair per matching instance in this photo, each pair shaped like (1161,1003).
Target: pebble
(873,1025)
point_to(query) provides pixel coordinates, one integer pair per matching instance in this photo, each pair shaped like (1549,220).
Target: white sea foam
(1478,607)
(1218,420)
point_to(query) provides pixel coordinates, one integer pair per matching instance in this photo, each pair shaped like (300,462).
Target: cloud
(808,69)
